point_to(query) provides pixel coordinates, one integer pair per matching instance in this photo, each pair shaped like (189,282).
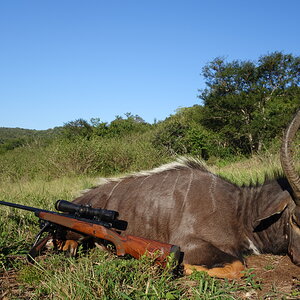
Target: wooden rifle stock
(128,244)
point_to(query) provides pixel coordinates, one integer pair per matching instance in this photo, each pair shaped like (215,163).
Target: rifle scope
(86,211)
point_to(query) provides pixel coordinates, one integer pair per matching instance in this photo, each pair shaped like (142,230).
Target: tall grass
(251,171)
(99,275)
(102,156)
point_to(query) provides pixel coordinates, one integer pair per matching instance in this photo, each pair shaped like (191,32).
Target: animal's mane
(188,162)
(179,163)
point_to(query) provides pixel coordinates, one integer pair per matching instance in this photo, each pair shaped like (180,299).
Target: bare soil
(279,277)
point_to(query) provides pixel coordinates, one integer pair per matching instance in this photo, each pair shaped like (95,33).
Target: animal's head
(294,180)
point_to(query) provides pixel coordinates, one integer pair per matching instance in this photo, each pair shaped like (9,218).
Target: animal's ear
(271,208)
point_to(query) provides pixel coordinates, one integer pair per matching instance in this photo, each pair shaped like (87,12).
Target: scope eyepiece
(86,211)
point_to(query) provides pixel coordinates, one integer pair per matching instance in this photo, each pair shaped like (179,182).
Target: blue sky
(69,59)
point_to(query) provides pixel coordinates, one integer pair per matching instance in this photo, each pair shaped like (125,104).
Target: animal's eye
(295,221)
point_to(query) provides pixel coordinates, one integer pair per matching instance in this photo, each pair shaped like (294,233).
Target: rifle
(97,223)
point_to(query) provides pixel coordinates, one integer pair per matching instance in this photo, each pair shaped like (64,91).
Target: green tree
(77,128)
(132,124)
(248,103)
(99,128)
(183,133)
(81,128)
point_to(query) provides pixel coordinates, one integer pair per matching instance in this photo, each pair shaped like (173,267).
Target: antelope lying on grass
(214,221)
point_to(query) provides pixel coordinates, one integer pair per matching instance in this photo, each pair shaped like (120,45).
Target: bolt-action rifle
(95,222)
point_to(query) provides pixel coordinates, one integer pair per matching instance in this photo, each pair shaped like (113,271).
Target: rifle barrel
(24,207)
(37,212)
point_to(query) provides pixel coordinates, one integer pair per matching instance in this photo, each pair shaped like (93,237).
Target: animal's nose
(296,260)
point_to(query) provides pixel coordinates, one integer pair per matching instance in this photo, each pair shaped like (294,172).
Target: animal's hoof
(229,271)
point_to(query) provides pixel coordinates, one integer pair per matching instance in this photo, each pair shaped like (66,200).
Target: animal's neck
(270,235)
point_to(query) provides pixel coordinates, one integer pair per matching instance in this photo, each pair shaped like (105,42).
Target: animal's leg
(230,271)
(67,241)
(206,257)
(70,246)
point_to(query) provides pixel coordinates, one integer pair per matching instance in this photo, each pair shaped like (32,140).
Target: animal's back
(167,204)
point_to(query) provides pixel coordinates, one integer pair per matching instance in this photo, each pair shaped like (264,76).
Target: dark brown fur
(215,222)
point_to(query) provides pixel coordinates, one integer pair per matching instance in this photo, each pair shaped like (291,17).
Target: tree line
(243,109)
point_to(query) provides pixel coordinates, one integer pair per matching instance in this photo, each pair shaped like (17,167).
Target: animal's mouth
(297,263)
(296,260)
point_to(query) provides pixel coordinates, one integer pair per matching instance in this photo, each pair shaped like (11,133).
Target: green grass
(61,158)
(100,275)
(254,170)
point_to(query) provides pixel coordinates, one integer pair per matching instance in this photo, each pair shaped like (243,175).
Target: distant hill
(21,133)
(11,138)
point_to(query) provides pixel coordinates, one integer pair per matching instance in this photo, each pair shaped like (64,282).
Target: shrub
(97,156)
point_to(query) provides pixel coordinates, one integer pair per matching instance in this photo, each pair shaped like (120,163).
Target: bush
(180,135)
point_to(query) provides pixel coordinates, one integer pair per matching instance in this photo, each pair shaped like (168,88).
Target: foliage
(132,124)
(102,156)
(183,134)
(171,134)
(11,144)
(77,128)
(244,101)
(7,134)
(11,138)
(117,128)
